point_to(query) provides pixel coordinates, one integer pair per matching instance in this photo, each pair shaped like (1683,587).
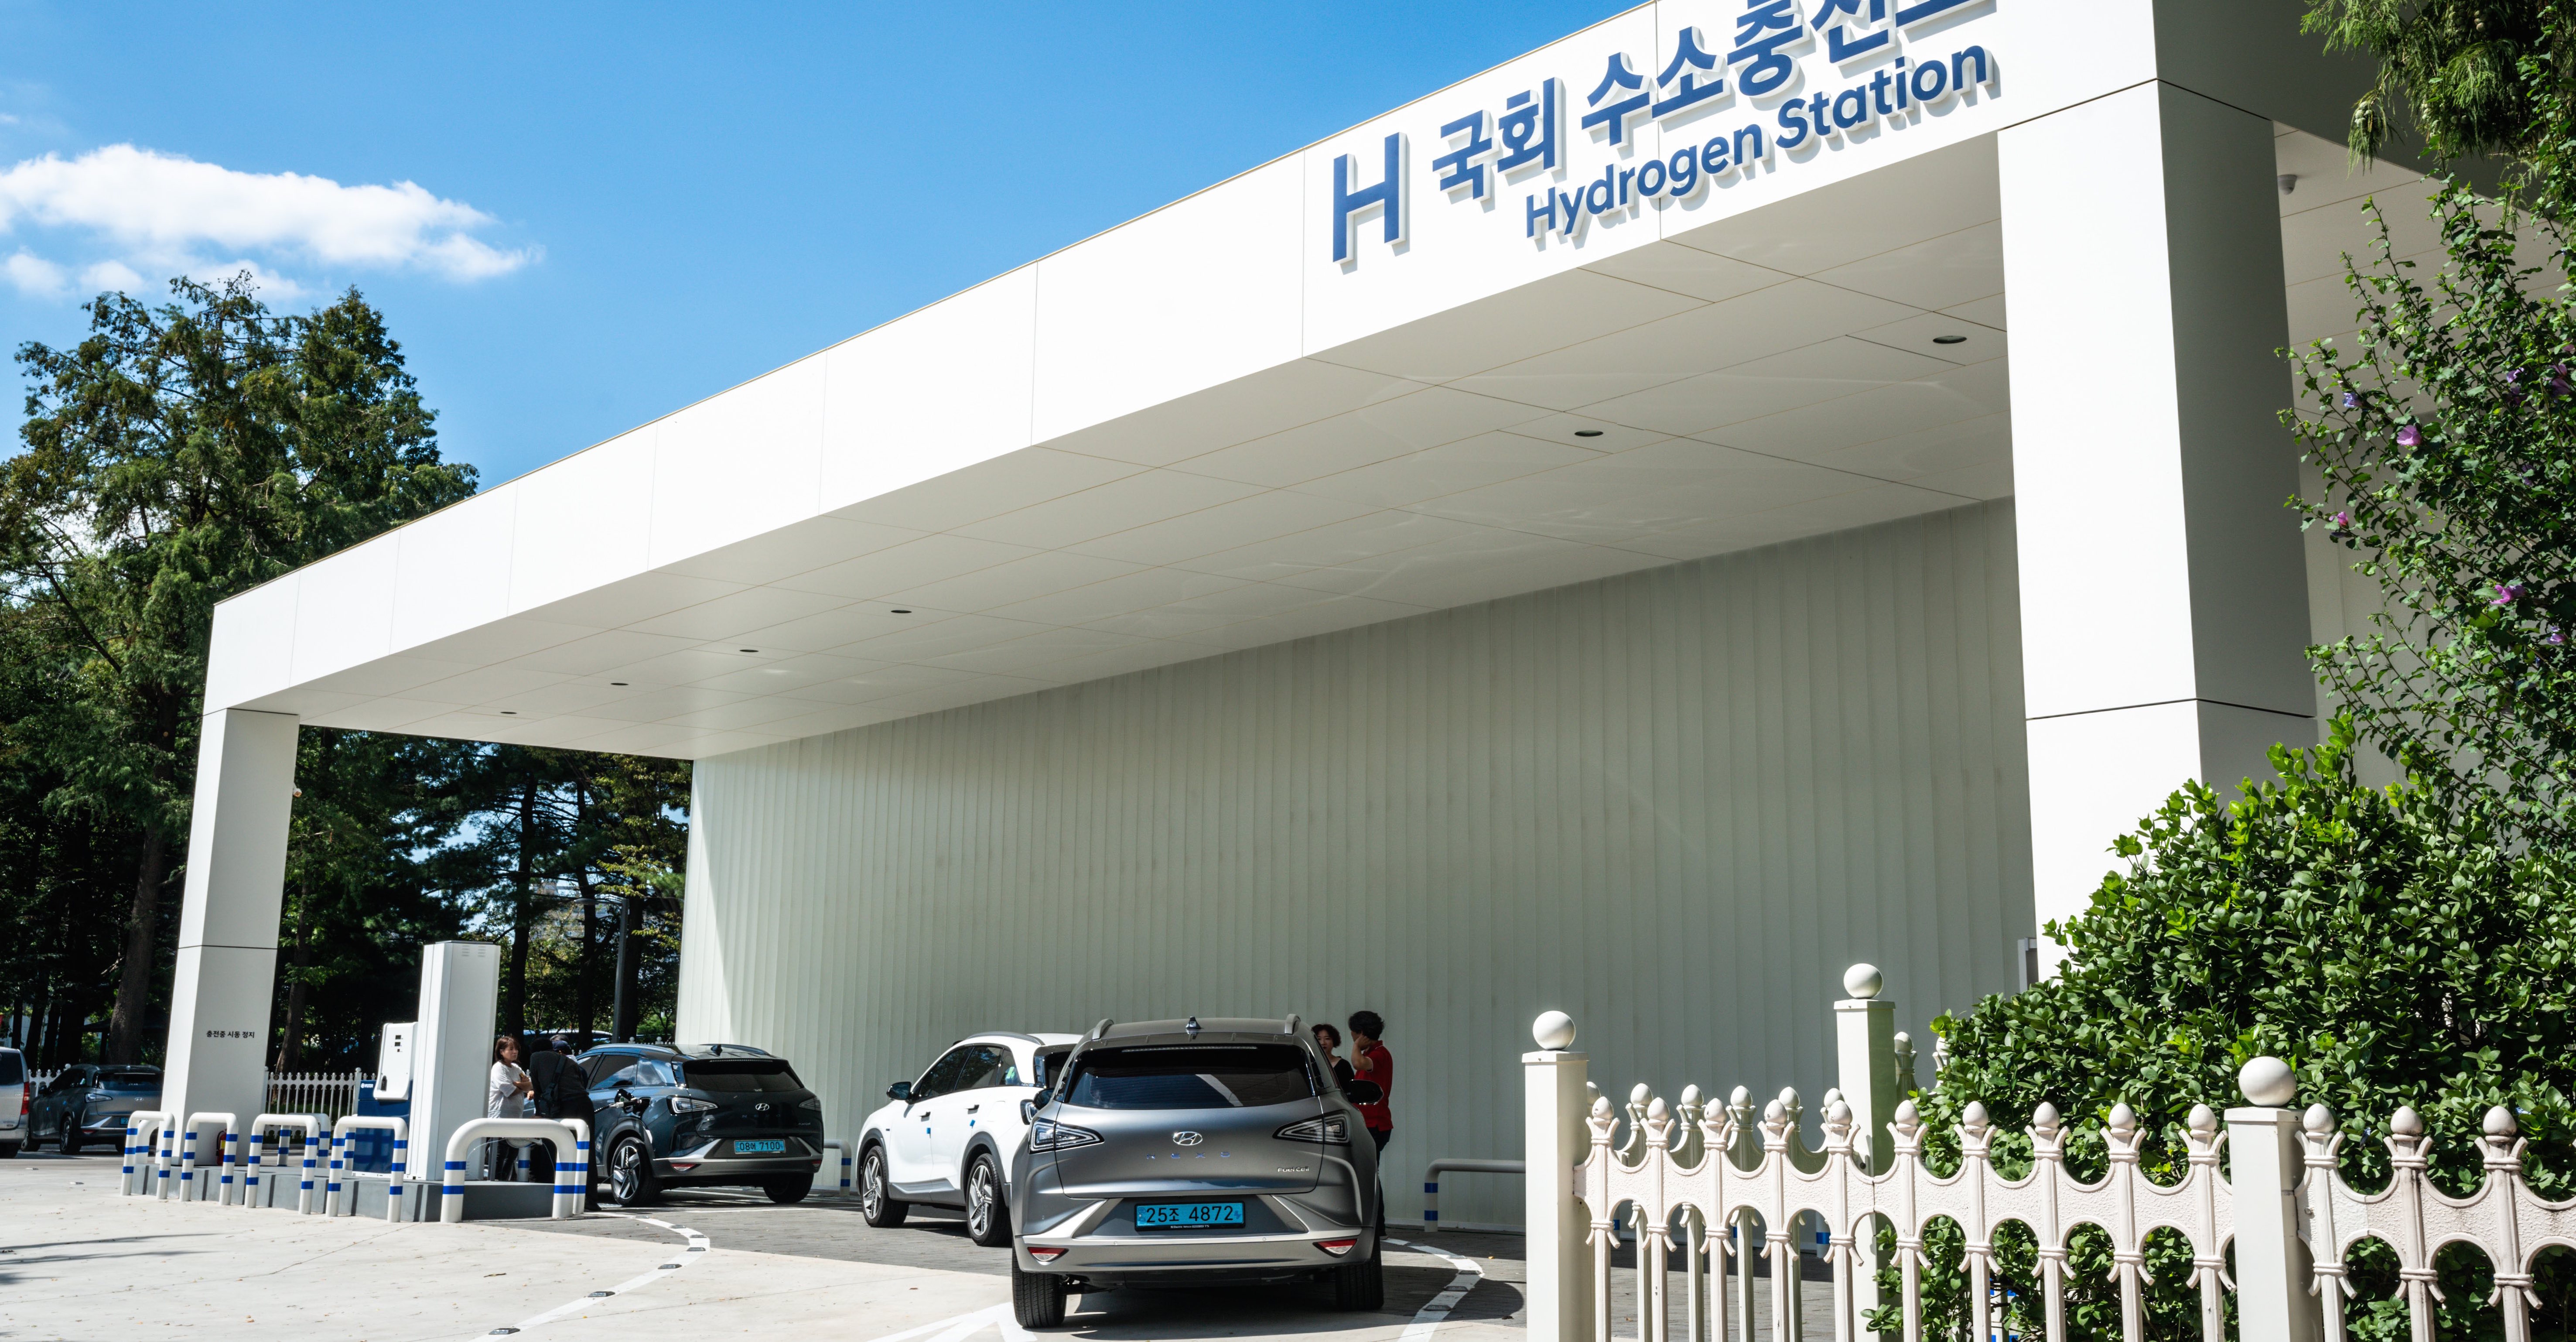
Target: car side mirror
(1028,1111)
(900,1090)
(1363,1092)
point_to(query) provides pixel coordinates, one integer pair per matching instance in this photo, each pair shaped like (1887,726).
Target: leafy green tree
(2468,78)
(178,455)
(362,895)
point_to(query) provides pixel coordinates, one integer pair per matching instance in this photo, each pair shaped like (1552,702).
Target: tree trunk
(142,938)
(622,1015)
(37,1020)
(515,1008)
(582,996)
(290,1045)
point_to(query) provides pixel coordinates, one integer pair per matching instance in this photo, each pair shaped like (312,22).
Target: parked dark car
(14,1102)
(703,1115)
(86,1105)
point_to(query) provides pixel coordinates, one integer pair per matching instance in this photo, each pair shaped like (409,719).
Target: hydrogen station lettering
(1884,64)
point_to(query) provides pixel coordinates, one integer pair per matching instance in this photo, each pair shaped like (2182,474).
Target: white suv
(952,1137)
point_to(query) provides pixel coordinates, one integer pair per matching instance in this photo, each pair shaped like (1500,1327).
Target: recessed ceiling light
(1949,340)
(746,649)
(617,682)
(1587,433)
(899,610)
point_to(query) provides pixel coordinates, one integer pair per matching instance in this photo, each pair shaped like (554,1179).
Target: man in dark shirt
(1372,1063)
(561,1092)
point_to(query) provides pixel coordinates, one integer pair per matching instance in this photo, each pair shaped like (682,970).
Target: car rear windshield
(141,1083)
(750,1074)
(13,1069)
(1192,1076)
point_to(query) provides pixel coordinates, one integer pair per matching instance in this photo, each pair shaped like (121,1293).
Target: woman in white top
(502,1100)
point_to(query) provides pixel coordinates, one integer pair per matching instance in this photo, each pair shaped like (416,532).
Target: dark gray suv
(1195,1153)
(699,1116)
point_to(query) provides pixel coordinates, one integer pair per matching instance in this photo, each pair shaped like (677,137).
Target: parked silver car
(1190,1153)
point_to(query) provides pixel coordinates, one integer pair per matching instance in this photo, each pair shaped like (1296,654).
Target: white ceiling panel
(888,572)
(1479,461)
(1937,272)
(1137,500)
(1427,418)
(1802,377)
(1258,517)
(1688,270)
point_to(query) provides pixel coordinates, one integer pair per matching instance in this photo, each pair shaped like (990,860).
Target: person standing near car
(1331,1040)
(509,1085)
(1371,1062)
(561,1092)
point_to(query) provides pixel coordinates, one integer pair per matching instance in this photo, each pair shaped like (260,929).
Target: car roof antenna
(1192,1027)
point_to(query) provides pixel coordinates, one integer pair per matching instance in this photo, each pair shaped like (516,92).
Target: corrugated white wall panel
(1675,803)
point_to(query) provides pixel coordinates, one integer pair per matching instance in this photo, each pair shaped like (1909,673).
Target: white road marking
(960,1327)
(698,1248)
(1435,1311)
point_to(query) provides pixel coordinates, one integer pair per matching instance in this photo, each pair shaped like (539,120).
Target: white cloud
(108,275)
(33,275)
(164,212)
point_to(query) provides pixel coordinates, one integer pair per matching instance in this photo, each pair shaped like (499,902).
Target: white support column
(236,884)
(1555,1139)
(2163,593)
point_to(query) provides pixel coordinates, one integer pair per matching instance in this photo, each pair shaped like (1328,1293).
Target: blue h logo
(1387,196)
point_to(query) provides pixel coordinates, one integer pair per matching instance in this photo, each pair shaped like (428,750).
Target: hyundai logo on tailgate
(1187,1139)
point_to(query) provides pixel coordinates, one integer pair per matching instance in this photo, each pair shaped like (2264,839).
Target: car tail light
(1045,1255)
(1048,1135)
(1337,1247)
(1331,1128)
(684,1165)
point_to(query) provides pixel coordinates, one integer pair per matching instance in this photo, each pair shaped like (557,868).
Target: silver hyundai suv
(1190,1153)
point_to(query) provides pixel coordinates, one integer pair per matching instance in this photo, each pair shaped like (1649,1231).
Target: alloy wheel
(625,1174)
(872,1193)
(979,1200)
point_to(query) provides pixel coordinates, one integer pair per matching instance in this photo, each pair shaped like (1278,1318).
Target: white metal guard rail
(1431,1179)
(308,1131)
(228,1149)
(339,1163)
(572,1168)
(143,1130)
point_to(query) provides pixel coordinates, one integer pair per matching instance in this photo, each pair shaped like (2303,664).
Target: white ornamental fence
(1681,1169)
(331,1094)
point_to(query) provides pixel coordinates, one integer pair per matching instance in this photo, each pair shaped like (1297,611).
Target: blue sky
(616,210)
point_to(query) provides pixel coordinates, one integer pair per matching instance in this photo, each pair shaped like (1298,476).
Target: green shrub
(2384,941)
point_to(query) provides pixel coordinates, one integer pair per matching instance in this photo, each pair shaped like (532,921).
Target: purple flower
(2350,401)
(2507,593)
(2343,521)
(2410,436)
(2555,638)
(2512,376)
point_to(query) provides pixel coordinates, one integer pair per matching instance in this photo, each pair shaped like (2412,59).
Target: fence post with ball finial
(1557,1138)
(2265,1167)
